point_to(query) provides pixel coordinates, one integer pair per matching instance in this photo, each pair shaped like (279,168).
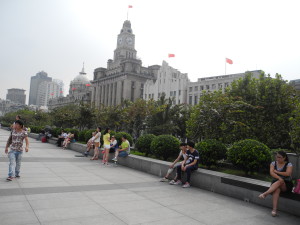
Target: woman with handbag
(281,171)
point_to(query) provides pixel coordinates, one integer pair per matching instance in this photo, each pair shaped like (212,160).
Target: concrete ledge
(242,188)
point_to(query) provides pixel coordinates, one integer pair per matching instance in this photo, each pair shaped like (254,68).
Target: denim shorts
(123,154)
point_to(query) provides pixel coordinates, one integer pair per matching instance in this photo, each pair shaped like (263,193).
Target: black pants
(188,171)
(59,141)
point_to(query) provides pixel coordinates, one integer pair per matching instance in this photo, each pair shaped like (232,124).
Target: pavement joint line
(78,188)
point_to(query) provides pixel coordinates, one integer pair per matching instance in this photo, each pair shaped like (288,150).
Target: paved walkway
(58,188)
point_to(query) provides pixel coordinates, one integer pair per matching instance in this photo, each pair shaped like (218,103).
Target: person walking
(97,144)
(15,142)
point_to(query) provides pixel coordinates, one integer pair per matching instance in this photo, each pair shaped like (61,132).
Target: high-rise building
(124,77)
(16,95)
(49,90)
(34,86)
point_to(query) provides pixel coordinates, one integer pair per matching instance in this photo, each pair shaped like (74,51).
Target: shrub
(211,151)
(56,132)
(165,146)
(119,137)
(249,155)
(143,143)
(81,135)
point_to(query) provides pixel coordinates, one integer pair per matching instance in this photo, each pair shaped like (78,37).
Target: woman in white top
(97,144)
(182,154)
(281,171)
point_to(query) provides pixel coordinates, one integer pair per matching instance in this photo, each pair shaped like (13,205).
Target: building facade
(49,90)
(124,77)
(211,84)
(16,95)
(295,84)
(34,86)
(80,91)
(169,81)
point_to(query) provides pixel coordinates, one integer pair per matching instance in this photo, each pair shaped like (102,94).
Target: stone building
(295,84)
(34,85)
(169,81)
(124,77)
(16,95)
(210,84)
(80,91)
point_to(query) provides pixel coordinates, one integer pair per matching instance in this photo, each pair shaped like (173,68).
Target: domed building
(79,92)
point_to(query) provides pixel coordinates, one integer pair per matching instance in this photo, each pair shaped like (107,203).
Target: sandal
(274,213)
(262,196)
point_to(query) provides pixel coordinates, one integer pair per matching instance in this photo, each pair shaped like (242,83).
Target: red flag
(52,94)
(88,85)
(61,91)
(171,55)
(130,6)
(73,89)
(229,61)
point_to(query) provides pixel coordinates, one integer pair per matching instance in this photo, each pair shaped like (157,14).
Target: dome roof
(81,78)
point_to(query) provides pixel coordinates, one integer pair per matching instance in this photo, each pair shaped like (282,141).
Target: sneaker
(9,178)
(186,185)
(18,176)
(114,159)
(86,154)
(178,182)
(172,182)
(164,179)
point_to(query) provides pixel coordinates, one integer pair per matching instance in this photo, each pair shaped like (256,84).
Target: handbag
(296,189)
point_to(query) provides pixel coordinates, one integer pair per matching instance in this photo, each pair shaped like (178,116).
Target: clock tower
(125,44)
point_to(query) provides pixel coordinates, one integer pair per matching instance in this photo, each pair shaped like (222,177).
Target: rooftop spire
(82,71)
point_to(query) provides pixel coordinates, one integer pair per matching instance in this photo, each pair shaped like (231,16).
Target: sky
(57,36)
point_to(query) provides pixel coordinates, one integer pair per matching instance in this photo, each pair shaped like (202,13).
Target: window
(226,84)
(220,85)
(190,89)
(190,99)
(179,92)
(201,88)
(207,87)
(171,93)
(196,88)
(174,93)
(195,100)
(213,86)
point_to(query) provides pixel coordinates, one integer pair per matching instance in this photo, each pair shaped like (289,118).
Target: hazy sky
(57,36)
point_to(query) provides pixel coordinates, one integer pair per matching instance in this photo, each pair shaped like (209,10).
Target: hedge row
(247,155)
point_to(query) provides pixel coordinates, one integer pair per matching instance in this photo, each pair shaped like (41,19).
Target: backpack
(296,189)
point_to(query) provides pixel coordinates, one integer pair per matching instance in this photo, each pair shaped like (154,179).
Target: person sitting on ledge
(281,171)
(189,164)
(124,149)
(182,154)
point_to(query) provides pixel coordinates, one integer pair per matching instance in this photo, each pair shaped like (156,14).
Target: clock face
(120,40)
(129,40)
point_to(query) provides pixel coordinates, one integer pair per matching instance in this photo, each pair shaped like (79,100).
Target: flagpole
(225,66)
(127,13)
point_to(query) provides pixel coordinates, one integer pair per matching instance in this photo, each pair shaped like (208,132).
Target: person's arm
(97,135)
(287,173)
(176,160)
(273,174)
(192,164)
(8,143)
(27,144)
